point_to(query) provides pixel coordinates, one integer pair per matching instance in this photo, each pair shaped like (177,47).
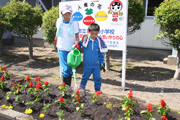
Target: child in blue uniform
(93,56)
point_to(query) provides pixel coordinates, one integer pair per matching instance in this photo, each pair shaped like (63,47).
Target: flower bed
(52,104)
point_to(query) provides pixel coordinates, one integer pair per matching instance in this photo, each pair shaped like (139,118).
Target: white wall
(145,36)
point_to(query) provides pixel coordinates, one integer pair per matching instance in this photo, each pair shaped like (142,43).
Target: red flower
(76,96)
(27,78)
(164,118)
(78,99)
(128,106)
(38,78)
(19,83)
(126,110)
(30,84)
(46,83)
(63,84)
(77,92)
(98,93)
(149,107)
(4,69)
(79,88)
(162,102)
(13,84)
(130,94)
(2,78)
(61,99)
(38,85)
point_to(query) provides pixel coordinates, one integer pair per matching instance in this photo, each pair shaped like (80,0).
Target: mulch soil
(105,108)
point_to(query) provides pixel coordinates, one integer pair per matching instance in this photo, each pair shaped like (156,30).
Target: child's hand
(55,41)
(77,45)
(102,67)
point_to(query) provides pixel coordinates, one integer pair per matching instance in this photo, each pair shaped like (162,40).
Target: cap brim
(65,11)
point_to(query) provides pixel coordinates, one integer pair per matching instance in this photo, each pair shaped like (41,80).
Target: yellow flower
(10,107)
(41,115)
(28,111)
(3,105)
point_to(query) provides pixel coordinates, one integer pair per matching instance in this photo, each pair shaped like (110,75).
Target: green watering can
(73,60)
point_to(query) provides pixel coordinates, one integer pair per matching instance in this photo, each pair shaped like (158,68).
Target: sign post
(111,15)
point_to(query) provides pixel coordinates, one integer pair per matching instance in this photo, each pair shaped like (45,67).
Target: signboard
(111,15)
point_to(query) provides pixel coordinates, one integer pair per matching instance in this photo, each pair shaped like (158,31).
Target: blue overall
(92,57)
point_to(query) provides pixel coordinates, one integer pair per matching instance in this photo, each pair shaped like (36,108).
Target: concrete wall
(144,38)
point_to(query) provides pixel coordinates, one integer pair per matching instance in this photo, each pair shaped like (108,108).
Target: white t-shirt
(65,43)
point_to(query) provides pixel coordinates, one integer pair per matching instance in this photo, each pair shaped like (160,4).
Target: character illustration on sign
(77,16)
(88,19)
(114,9)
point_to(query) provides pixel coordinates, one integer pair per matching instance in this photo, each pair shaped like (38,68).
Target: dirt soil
(150,79)
(105,108)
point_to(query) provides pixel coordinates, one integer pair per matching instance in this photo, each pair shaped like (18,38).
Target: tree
(136,14)
(24,20)
(168,17)
(2,28)
(49,24)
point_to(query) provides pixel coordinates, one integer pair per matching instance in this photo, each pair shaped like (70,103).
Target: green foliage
(8,94)
(64,90)
(168,17)
(49,24)
(149,114)
(2,22)
(18,99)
(136,14)
(60,114)
(179,112)
(46,106)
(163,111)
(3,84)
(127,106)
(30,104)
(23,20)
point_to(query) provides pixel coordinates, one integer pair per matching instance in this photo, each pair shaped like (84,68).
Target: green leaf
(143,112)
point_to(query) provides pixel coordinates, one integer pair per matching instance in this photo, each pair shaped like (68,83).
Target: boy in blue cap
(93,56)
(67,34)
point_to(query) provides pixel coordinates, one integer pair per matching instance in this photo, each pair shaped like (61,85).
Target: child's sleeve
(76,27)
(101,57)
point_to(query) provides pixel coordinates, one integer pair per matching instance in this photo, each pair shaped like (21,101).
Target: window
(150,6)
